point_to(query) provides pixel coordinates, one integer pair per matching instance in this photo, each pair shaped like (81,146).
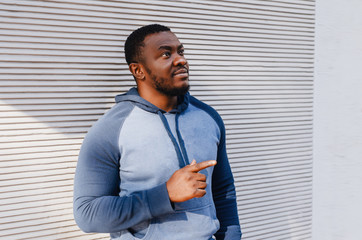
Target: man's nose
(179,61)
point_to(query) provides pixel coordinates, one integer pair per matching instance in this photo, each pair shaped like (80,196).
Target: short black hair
(134,41)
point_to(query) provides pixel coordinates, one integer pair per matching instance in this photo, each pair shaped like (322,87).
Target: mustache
(183,69)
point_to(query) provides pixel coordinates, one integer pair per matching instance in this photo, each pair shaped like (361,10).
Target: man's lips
(181,72)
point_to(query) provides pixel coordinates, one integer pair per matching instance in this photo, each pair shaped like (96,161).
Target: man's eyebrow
(180,46)
(166,47)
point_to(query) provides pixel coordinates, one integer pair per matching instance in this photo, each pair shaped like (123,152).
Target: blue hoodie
(126,159)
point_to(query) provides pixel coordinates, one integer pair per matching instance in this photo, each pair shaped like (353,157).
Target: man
(147,168)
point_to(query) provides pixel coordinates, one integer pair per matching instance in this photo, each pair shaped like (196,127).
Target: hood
(183,102)
(133,96)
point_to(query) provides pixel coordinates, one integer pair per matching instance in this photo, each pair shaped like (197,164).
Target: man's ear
(137,71)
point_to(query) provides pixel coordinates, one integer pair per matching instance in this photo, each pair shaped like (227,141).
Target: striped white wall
(61,64)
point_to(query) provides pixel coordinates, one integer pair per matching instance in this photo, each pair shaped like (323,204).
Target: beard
(164,86)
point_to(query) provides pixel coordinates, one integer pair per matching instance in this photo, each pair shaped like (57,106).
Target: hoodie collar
(133,96)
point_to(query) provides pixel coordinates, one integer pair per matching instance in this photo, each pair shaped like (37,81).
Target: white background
(337,175)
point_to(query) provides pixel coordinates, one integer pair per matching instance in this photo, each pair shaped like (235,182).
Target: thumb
(193,162)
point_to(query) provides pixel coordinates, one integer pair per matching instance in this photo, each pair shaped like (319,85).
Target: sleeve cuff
(159,201)
(232,232)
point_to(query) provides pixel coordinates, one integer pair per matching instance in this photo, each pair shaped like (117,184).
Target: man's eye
(181,52)
(166,54)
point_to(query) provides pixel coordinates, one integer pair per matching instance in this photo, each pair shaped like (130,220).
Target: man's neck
(162,101)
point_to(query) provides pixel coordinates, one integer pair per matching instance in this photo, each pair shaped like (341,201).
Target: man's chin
(182,90)
(179,91)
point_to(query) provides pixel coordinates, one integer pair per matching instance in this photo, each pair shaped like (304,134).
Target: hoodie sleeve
(97,206)
(224,194)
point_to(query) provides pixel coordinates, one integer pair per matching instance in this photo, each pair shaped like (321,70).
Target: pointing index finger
(202,165)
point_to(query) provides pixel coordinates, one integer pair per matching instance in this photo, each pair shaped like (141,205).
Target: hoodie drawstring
(181,141)
(182,161)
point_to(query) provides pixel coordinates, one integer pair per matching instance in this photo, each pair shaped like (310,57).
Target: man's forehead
(155,40)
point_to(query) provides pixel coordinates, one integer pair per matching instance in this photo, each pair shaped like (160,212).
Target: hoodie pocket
(193,204)
(142,231)
(198,223)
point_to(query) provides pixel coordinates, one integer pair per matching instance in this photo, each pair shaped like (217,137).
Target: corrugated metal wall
(61,64)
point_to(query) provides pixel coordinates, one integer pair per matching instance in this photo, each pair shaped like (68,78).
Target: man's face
(167,70)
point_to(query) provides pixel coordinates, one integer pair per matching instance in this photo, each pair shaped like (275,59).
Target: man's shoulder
(113,118)
(117,111)
(206,108)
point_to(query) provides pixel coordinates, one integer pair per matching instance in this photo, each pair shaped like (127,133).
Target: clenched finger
(200,193)
(201,185)
(200,177)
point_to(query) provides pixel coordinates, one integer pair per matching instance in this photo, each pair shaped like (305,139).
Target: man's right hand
(187,182)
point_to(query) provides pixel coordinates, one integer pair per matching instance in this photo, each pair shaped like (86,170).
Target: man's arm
(97,204)
(223,189)
(224,195)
